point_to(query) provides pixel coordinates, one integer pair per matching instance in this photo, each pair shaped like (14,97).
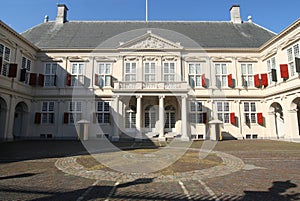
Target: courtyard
(229,170)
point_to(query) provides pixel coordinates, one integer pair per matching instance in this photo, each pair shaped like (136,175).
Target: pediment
(150,41)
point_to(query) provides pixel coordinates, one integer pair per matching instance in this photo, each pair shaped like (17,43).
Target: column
(271,131)
(161,136)
(291,125)
(184,136)
(116,130)
(138,118)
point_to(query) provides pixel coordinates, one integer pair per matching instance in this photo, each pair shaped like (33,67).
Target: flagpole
(146,10)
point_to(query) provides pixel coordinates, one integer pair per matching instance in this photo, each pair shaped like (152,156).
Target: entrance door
(21,113)
(169,118)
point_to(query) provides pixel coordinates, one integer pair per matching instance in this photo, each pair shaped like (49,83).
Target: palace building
(150,79)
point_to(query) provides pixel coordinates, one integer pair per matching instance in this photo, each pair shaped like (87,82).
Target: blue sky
(275,15)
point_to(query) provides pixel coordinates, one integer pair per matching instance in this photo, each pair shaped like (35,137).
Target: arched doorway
(276,109)
(151,117)
(21,113)
(170,119)
(296,107)
(3,112)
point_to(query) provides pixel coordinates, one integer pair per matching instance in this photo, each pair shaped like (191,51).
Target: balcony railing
(150,85)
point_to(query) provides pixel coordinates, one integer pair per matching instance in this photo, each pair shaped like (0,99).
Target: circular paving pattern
(229,165)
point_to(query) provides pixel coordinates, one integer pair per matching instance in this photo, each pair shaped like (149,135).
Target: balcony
(150,86)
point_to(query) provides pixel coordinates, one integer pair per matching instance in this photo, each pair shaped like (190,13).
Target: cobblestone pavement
(252,170)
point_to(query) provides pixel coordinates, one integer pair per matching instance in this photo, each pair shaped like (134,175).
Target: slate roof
(90,34)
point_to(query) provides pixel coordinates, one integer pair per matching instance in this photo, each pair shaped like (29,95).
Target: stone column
(116,114)
(161,136)
(291,125)
(138,118)
(184,136)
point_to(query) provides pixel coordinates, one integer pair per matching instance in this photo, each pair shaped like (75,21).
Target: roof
(90,34)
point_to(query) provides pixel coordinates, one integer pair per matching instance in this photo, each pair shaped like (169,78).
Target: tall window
(271,64)
(50,74)
(247,75)
(26,64)
(149,72)
(195,73)
(102,113)
(48,112)
(130,117)
(77,74)
(104,76)
(250,112)
(221,75)
(74,111)
(150,116)
(196,112)
(223,111)
(292,52)
(169,71)
(4,59)
(130,72)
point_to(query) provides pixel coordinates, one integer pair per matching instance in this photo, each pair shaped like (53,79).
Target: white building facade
(154,80)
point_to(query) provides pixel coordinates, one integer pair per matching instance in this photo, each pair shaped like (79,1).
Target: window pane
(127,68)
(192,81)
(226,106)
(133,67)
(199,106)
(51,106)
(78,109)
(100,106)
(47,69)
(253,108)
(166,68)
(192,106)
(172,67)
(218,69)
(226,118)
(106,117)
(106,106)
(198,80)
(44,106)
(108,67)
(74,69)
(191,69)
(107,80)
(253,119)
(54,67)
(250,71)
(246,107)
(220,116)
(219,106)
(198,69)
(152,68)
(243,69)
(101,68)
(224,69)
(147,68)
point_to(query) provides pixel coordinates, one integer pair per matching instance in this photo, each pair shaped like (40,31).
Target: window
(130,117)
(75,111)
(149,72)
(223,111)
(5,58)
(196,113)
(102,112)
(292,52)
(250,112)
(130,72)
(195,73)
(150,116)
(50,74)
(104,76)
(169,71)
(221,75)
(48,112)
(271,64)
(77,74)
(247,75)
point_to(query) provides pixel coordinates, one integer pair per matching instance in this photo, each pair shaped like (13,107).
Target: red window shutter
(260,119)
(232,118)
(69,78)
(256,80)
(264,79)
(96,79)
(230,83)
(284,71)
(205,118)
(66,118)
(32,79)
(94,117)
(12,72)
(203,80)
(41,80)
(37,118)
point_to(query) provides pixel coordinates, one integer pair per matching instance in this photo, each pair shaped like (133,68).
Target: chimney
(61,13)
(46,19)
(235,14)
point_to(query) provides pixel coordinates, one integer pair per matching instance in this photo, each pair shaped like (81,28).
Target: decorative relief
(153,43)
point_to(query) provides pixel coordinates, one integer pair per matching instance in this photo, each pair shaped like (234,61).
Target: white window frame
(104,74)
(130,117)
(196,112)
(150,117)
(103,112)
(247,74)
(130,71)
(271,64)
(48,112)
(75,111)
(195,74)
(77,73)
(250,112)
(5,53)
(150,71)
(221,74)
(50,75)
(293,52)
(168,72)
(223,111)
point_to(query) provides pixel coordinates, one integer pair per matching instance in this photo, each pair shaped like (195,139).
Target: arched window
(130,116)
